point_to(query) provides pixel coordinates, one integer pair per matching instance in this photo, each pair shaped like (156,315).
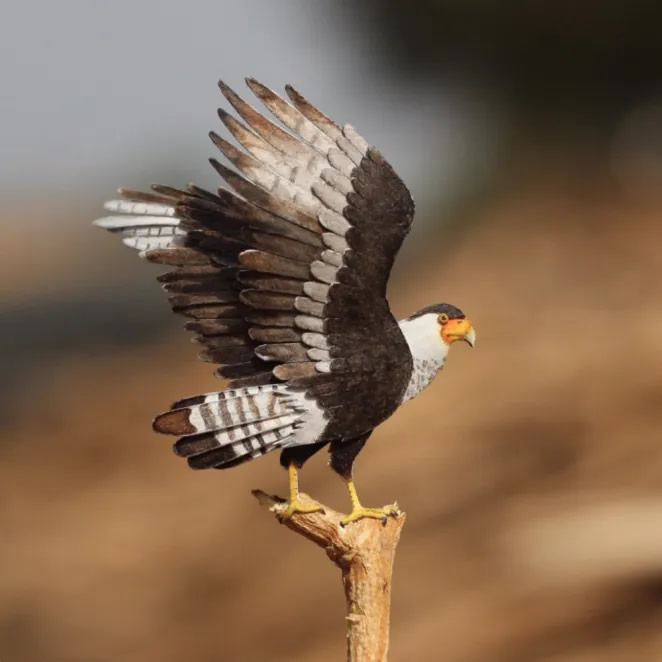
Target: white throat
(428,351)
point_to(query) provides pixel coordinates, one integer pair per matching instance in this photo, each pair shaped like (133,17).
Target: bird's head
(449,322)
(454,325)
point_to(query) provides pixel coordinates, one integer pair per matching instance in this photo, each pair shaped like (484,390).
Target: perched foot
(296,506)
(359,512)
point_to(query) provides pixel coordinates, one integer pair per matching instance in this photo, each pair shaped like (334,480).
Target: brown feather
(173,422)
(205,285)
(201,193)
(273,264)
(265,200)
(224,457)
(284,111)
(169,191)
(142,196)
(317,117)
(177,256)
(267,300)
(257,379)
(178,301)
(216,327)
(205,217)
(268,335)
(285,352)
(241,132)
(227,354)
(242,161)
(295,370)
(192,272)
(260,219)
(223,250)
(237,370)
(285,247)
(271,132)
(209,312)
(270,319)
(222,340)
(195,444)
(270,283)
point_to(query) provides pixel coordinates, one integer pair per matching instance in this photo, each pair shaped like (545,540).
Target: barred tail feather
(223,429)
(227,394)
(229,454)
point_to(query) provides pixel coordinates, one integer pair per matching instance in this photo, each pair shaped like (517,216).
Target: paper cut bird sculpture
(283,278)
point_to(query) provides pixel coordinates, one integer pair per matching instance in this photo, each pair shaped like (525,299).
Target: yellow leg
(359,512)
(294,505)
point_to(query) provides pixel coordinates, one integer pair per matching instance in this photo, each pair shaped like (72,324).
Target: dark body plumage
(284,281)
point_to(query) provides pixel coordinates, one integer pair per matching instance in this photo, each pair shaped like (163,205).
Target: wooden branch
(364,552)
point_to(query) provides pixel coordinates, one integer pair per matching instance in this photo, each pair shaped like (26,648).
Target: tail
(224,429)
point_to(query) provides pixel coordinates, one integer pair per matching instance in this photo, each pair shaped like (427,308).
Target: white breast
(428,351)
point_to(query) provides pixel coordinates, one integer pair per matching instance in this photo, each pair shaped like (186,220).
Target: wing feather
(283,277)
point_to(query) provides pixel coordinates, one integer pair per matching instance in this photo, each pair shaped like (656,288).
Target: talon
(298,507)
(359,512)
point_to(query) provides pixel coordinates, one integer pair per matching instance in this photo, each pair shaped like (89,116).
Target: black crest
(452,312)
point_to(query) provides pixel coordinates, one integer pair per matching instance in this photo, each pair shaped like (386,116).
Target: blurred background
(530,135)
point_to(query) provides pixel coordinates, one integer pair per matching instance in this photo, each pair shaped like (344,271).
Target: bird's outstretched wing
(284,278)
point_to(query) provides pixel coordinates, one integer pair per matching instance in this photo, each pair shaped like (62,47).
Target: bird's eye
(443,318)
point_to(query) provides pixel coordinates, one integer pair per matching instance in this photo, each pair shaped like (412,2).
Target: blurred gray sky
(102,94)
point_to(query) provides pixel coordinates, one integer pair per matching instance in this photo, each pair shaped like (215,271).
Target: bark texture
(364,552)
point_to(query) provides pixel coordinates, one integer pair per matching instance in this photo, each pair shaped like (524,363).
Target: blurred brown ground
(530,472)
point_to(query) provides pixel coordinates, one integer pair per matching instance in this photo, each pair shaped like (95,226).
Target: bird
(282,274)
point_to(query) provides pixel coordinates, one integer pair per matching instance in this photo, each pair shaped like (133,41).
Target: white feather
(313,421)
(309,323)
(335,242)
(315,354)
(309,307)
(317,291)
(333,221)
(352,135)
(295,121)
(338,181)
(331,197)
(333,258)
(142,208)
(148,243)
(352,153)
(315,340)
(324,272)
(121,222)
(341,162)
(427,348)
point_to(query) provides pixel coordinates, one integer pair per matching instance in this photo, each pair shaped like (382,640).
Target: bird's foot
(297,506)
(359,512)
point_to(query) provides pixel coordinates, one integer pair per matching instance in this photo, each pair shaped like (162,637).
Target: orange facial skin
(456,329)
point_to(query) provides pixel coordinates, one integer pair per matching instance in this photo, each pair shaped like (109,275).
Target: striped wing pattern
(224,429)
(282,275)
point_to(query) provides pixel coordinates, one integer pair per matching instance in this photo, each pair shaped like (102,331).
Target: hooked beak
(459,329)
